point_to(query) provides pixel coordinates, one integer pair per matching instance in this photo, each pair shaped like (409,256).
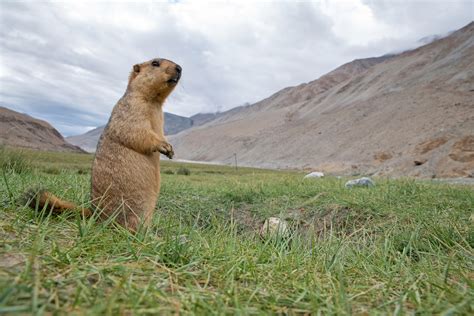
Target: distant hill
(21,130)
(410,114)
(204,118)
(175,123)
(88,141)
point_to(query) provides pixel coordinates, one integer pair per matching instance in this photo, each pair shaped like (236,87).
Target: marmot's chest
(156,121)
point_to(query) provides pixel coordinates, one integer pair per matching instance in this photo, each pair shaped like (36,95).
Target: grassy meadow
(402,247)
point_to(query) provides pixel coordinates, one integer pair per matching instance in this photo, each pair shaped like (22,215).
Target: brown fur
(126,168)
(43,199)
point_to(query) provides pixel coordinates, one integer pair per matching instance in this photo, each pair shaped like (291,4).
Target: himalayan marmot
(126,169)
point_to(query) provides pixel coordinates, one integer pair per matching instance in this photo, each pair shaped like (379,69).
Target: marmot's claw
(166,149)
(170,154)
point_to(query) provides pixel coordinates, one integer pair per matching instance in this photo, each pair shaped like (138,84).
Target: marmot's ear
(134,73)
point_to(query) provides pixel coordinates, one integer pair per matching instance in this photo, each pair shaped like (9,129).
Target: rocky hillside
(408,114)
(175,123)
(21,130)
(204,118)
(88,141)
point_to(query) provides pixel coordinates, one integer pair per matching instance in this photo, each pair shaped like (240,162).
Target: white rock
(274,227)
(315,174)
(361,182)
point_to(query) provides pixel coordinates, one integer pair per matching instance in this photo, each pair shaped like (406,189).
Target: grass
(402,247)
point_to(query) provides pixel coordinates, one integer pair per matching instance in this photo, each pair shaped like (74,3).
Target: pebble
(274,227)
(315,174)
(361,182)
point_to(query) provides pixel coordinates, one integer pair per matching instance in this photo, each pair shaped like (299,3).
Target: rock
(361,182)
(274,227)
(315,174)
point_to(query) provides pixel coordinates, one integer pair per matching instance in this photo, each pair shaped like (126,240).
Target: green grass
(402,247)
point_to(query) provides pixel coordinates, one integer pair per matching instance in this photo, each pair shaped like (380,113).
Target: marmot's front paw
(166,149)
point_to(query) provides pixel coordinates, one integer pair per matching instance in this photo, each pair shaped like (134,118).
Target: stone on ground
(361,182)
(274,227)
(315,174)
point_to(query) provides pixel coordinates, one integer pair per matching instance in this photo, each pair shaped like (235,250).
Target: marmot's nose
(178,69)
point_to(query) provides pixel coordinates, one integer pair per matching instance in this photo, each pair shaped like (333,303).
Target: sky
(68,62)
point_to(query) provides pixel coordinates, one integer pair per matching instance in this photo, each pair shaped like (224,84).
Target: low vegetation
(183,171)
(400,247)
(14,160)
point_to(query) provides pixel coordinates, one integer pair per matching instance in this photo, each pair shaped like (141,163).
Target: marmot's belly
(121,175)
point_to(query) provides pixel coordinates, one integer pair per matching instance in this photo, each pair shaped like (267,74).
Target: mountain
(410,114)
(175,123)
(88,141)
(21,130)
(204,118)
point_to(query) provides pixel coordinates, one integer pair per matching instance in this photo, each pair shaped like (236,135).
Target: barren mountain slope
(21,130)
(88,141)
(409,114)
(204,118)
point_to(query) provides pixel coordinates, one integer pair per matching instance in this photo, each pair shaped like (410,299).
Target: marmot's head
(154,79)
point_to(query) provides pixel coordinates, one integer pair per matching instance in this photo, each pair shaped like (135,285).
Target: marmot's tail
(39,199)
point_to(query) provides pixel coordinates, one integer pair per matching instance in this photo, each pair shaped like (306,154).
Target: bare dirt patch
(333,219)
(463,150)
(382,156)
(246,219)
(429,145)
(11,262)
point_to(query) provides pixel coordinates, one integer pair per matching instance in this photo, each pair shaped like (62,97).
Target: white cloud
(68,63)
(354,22)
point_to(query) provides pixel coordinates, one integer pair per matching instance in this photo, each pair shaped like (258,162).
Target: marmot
(126,169)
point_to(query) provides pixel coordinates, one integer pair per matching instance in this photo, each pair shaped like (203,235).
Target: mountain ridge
(22,130)
(366,116)
(88,141)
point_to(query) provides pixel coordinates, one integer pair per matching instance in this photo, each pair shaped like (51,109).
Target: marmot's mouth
(175,79)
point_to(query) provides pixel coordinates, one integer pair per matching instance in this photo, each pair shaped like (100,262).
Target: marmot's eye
(155,63)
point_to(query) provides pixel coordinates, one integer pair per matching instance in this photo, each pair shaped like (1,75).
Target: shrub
(183,171)
(52,170)
(168,171)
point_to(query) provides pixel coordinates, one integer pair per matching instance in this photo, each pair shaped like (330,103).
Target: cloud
(412,19)
(68,63)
